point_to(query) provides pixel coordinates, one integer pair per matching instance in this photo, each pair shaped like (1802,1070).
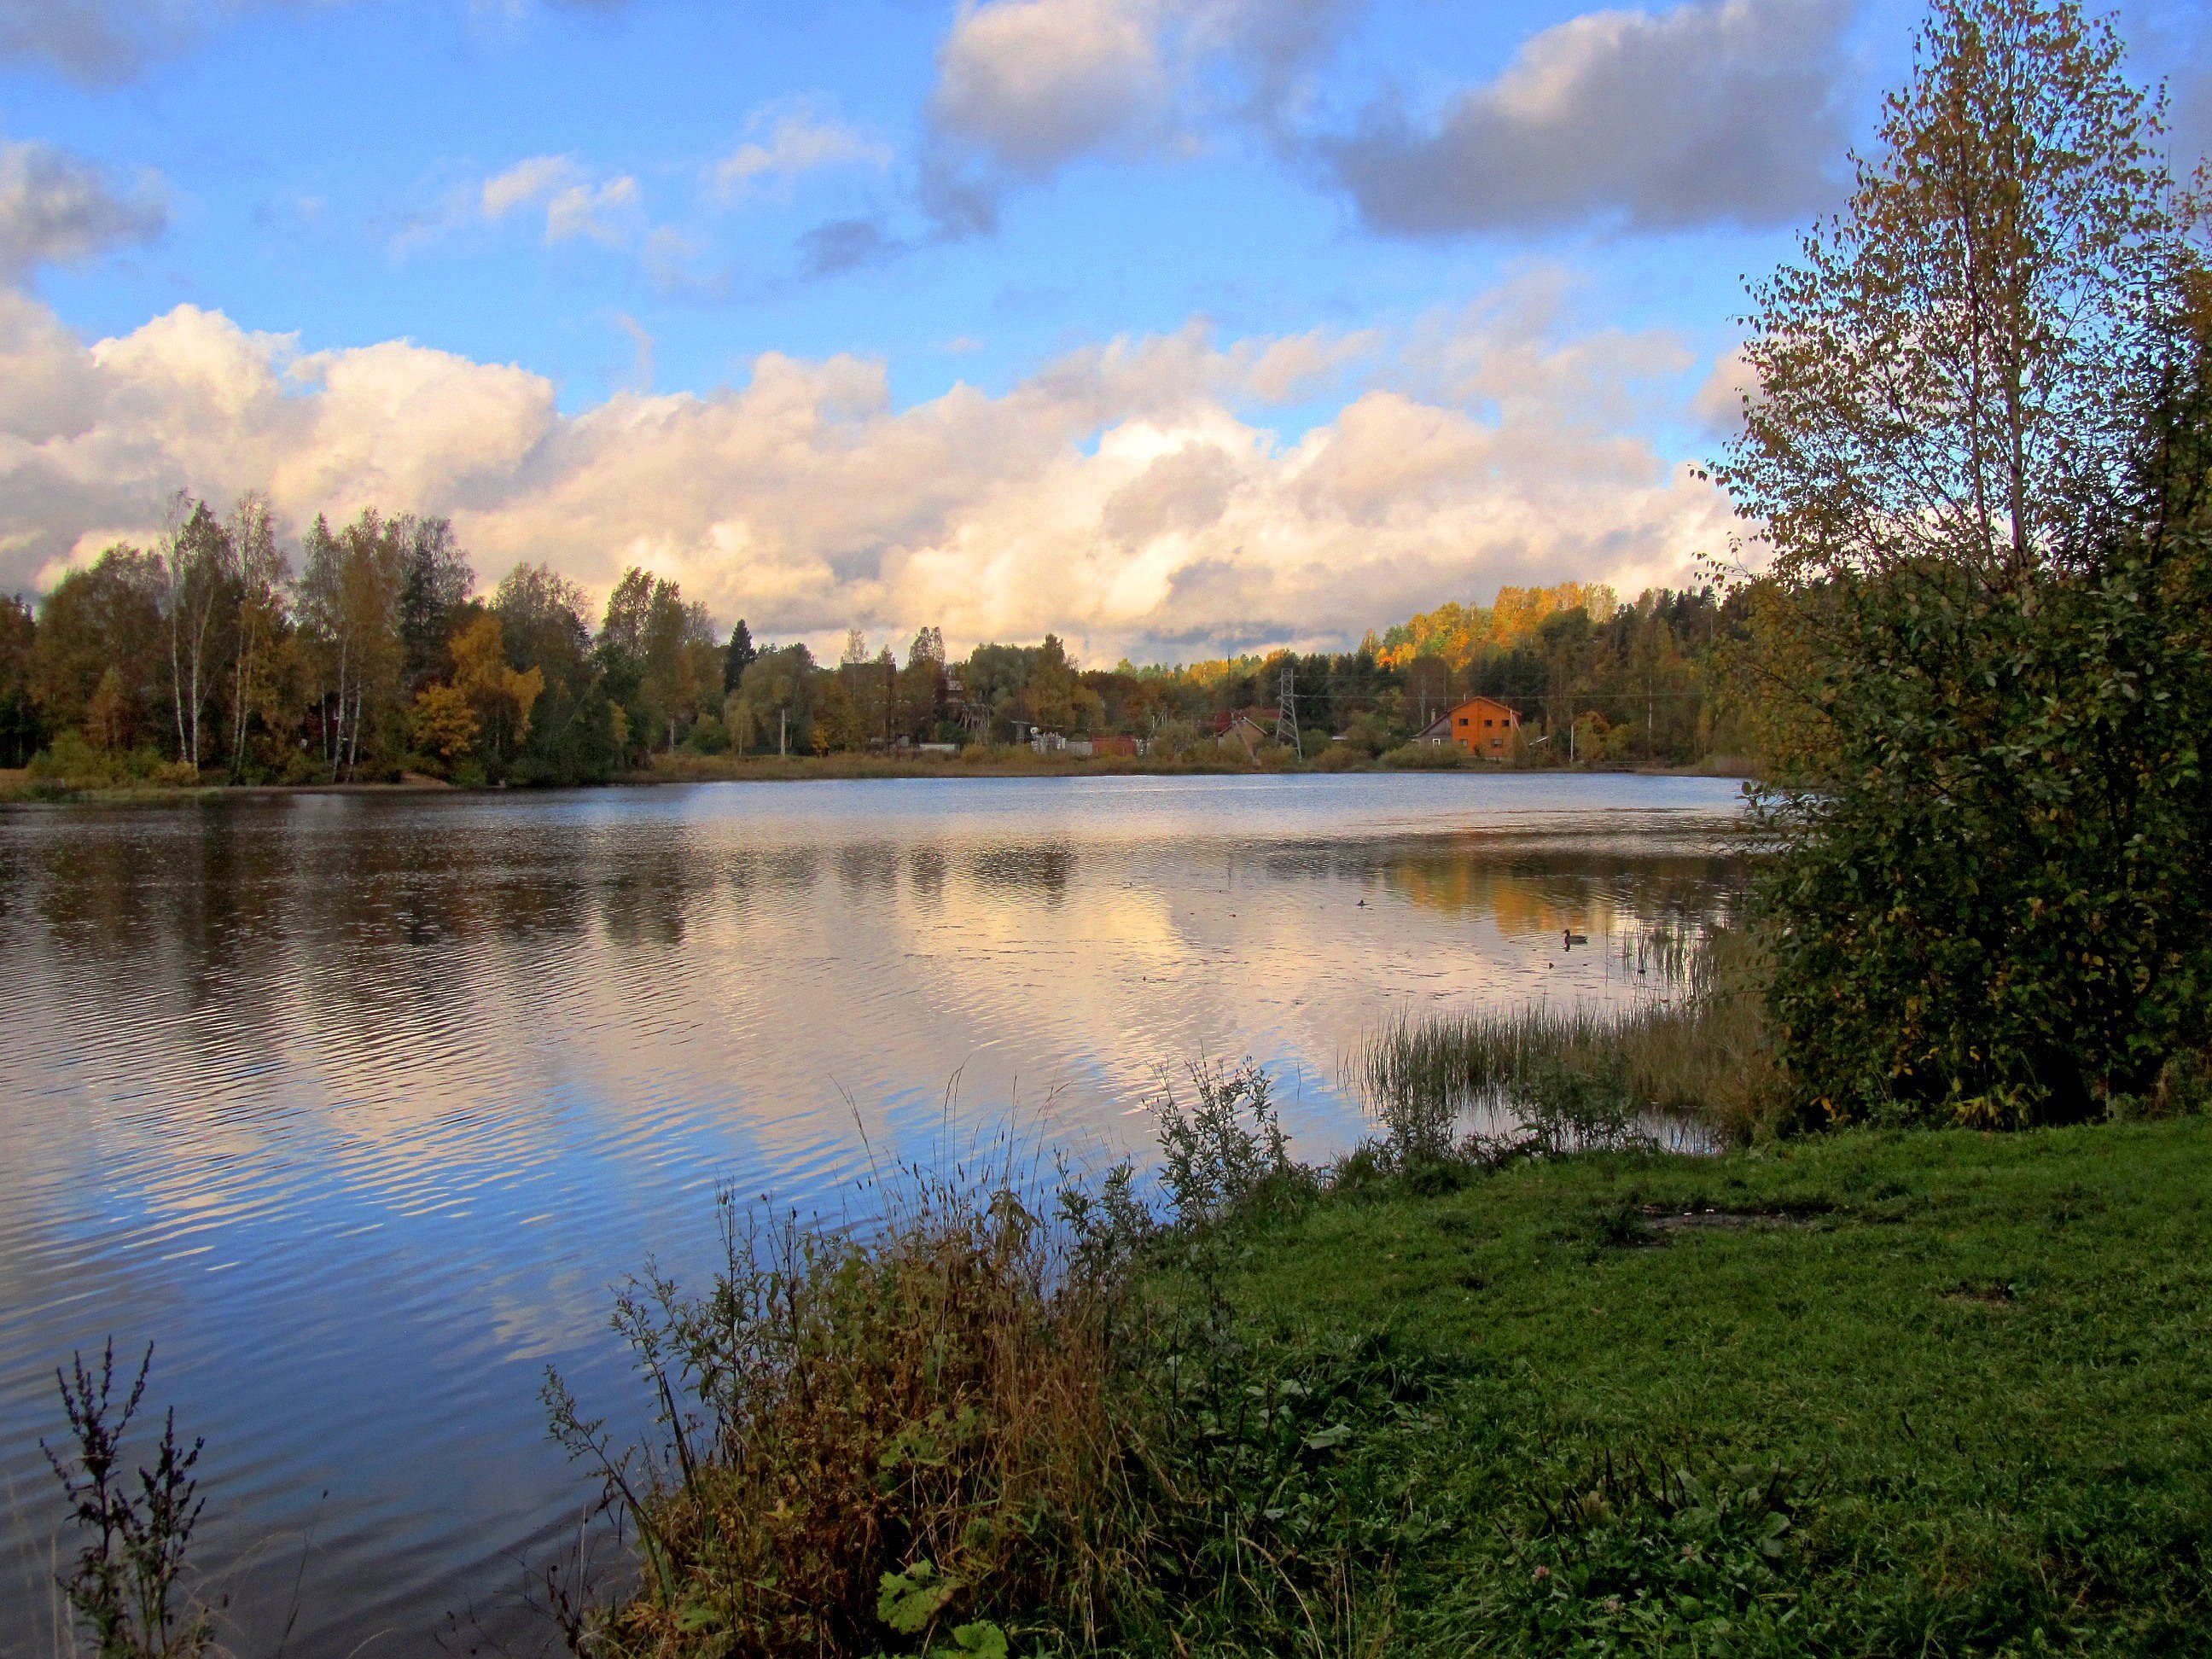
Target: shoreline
(19,789)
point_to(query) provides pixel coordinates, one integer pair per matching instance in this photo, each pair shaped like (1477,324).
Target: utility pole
(1287,713)
(782,730)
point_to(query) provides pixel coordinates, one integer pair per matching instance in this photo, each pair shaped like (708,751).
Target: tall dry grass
(860,1435)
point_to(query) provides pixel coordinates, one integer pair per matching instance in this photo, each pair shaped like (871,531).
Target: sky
(1178,329)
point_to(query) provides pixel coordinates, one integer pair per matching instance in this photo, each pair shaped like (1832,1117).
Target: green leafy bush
(1991,906)
(75,763)
(1226,1151)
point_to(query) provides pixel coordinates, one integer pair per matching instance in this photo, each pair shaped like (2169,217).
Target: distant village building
(1482,726)
(1243,728)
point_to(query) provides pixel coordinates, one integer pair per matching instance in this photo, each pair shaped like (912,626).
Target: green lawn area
(1915,1392)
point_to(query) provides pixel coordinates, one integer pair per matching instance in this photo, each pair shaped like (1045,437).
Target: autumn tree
(542,619)
(106,616)
(838,726)
(773,705)
(21,730)
(1048,699)
(442,723)
(499,696)
(659,655)
(572,736)
(350,590)
(681,659)
(920,694)
(1963,365)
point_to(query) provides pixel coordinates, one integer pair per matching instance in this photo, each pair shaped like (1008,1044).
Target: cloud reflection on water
(357,1105)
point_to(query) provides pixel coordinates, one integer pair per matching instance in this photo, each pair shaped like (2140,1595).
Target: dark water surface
(357,1106)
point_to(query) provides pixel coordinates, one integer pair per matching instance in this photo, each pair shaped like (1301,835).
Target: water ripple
(357,1107)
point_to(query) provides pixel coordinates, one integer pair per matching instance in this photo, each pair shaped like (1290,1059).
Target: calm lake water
(356,1107)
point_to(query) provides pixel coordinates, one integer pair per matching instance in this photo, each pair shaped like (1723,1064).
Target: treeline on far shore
(220,654)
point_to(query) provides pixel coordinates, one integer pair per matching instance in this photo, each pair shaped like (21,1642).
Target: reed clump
(1699,1053)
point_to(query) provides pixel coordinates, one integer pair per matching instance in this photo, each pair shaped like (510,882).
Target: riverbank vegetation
(1981,458)
(1849,1395)
(1695,1051)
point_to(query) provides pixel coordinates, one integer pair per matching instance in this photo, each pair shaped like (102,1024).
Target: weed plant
(127,1587)
(1224,1152)
(936,1404)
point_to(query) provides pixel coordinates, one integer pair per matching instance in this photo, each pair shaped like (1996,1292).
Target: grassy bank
(1867,1393)
(1905,1394)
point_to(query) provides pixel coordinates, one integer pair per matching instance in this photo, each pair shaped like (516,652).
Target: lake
(357,1106)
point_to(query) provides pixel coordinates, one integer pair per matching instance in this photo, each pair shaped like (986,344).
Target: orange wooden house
(1482,726)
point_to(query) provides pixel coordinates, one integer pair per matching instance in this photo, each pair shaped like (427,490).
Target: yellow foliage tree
(500,698)
(1464,634)
(443,722)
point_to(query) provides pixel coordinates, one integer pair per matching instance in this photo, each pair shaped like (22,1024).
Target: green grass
(1899,1393)
(1950,1393)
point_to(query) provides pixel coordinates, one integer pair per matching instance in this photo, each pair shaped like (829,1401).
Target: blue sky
(520,262)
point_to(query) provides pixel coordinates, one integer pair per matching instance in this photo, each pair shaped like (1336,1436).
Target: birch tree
(1962,365)
(321,613)
(197,559)
(349,596)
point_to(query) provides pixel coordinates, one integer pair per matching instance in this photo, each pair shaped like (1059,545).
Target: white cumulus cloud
(1026,87)
(1123,494)
(576,205)
(1036,84)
